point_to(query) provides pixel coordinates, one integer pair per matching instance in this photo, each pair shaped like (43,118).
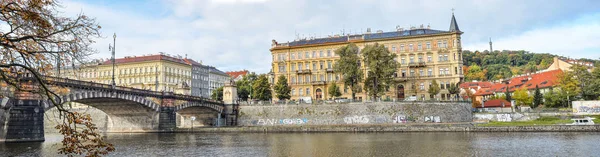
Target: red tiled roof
(544,79)
(191,61)
(483,91)
(145,58)
(495,103)
(235,74)
(475,85)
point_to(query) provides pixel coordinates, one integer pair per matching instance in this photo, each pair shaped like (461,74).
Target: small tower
(491,50)
(453,24)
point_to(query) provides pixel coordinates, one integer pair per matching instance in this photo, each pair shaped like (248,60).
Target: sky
(236,34)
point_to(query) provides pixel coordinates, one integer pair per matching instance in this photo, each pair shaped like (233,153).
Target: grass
(539,121)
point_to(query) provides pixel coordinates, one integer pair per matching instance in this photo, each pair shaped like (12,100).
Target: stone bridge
(128,109)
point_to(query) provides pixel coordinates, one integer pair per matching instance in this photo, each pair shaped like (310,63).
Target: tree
(475,73)
(349,66)
(553,98)
(586,81)
(454,89)
(537,97)
(217,94)
(244,86)
(569,86)
(434,89)
(508,97)
(261,88)
(522,97)
(33,38)
(382,66)
(334,90)
(282,90)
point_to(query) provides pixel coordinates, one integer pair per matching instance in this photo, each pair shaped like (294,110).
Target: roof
(484,91)
(544,79)
(367,36)
(217,71)
(475,84)
(454,25)
(235,74)
(495,103)
(191,62)
(145,58)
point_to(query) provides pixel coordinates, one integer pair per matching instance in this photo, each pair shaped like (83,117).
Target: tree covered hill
(496,65)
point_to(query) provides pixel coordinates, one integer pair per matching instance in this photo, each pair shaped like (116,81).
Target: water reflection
(334,144)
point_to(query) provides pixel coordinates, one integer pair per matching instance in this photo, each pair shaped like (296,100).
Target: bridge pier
(230,101)
(24,121)
(167,119)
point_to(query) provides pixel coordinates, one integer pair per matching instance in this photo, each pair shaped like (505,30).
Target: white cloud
(236,34)
(576,38)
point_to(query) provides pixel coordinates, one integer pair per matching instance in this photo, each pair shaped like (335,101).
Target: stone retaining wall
(355,113)
(399,128)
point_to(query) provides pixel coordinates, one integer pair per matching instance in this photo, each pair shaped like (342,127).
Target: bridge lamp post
(193,119)
(113,58)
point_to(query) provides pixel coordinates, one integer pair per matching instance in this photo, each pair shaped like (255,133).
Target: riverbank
(460,127)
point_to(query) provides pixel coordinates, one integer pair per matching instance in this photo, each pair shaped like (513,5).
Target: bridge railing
(101,86)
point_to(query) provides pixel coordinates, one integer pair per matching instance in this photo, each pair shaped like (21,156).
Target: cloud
(577,38)
(236,34)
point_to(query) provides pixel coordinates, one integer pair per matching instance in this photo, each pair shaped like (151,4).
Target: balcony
(416,65)
(319,82)
(329,70)
(303,72)
(445,75)
(443,61)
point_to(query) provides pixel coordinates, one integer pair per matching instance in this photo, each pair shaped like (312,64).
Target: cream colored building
(424,55)
(159,72)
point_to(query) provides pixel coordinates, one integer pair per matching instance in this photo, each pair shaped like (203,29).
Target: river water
(333,144)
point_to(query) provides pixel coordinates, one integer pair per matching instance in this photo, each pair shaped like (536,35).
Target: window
(321,65)
(403,60)
(412,72)
(441,85)
(445,57)
(402,47)
(412,59)
(328,53)
(422,86)
(322,77)
(293,80)
(329,77)
(456,70)
(306,55)
(420,58)
(428,45)
(421,73)
(439,45)
(410,47)
(314,78)
(314,65)
(329,64)
(307,66)
(403,73)
(299,55)
(393,48)
(293,56)
(430,72)
(300,92)
(441,71)
(307,91)
(448,85)
(293,91)
(419,46)
(429,58)
(293,67)
(321,54)
(314,54)
(299,66)
(307,79)
(440,57)
(447,71)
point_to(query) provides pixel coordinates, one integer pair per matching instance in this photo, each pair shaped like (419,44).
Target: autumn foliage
(86,140)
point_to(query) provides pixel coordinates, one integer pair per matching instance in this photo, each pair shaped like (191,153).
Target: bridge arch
(214,107)
(80,96)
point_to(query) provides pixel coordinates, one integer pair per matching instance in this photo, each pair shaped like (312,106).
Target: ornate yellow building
(424,55)
(153,72)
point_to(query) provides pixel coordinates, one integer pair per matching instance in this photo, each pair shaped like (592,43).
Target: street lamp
(113,59)
(193,119)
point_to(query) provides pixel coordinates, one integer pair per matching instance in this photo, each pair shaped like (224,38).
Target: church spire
(453,24)
(491,50)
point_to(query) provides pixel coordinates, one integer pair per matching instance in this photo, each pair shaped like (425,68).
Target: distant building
(424,55)
(216,79)
(200,75)
(158,72)
(237,75)
(565,64)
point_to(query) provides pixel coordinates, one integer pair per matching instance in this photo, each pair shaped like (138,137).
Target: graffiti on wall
(399,119)
(504,117)
(287,121)
(434,119)
(356,120)
(586,106)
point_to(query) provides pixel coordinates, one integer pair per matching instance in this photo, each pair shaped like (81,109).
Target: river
(333,144)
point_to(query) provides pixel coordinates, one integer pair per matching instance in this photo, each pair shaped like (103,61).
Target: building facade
(216,78)
(200,84)
(159,72)
(237,75)
(423,54)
